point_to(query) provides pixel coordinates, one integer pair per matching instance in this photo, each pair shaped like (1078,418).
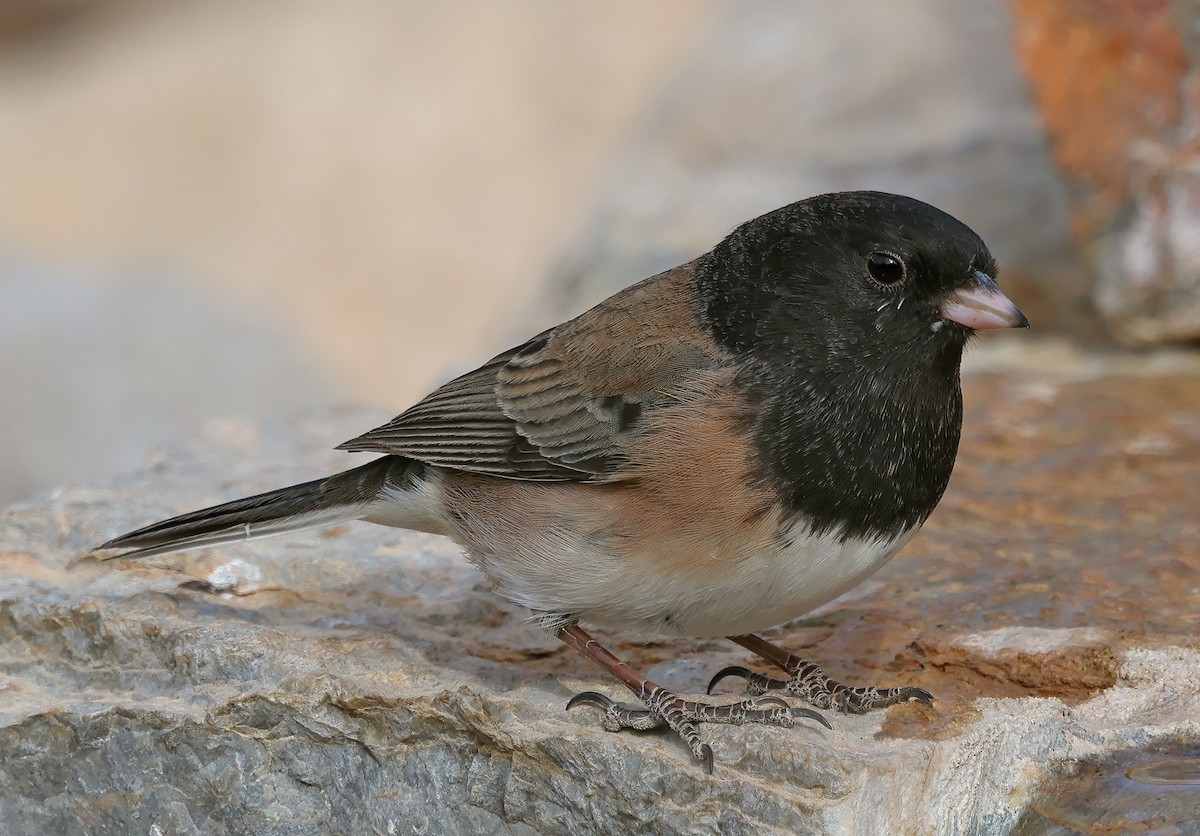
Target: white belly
(777,586)
(710,597)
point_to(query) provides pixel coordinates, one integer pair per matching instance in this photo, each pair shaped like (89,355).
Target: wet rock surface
(358,679)
(1150,790)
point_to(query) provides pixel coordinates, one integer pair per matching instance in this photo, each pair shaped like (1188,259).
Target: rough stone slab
(362,680)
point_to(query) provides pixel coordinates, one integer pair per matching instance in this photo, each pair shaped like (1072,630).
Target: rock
(1115,84)
(784,100)
(359,679)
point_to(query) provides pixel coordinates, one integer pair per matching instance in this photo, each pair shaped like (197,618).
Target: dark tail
(338,498)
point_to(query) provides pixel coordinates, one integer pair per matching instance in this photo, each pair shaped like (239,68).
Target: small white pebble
(1148,444)
(229,575)
(1041,391)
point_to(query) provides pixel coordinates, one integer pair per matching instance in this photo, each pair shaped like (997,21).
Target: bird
(710,452)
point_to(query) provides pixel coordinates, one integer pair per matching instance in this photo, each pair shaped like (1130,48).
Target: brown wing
(563,405)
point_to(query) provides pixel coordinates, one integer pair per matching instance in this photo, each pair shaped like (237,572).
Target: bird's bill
(982,307)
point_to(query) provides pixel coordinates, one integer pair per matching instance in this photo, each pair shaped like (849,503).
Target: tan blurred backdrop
(376,182)
(256,207)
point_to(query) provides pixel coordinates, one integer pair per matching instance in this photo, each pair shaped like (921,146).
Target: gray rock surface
(362,680)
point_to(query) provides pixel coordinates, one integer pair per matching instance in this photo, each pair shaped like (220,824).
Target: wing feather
(561,406)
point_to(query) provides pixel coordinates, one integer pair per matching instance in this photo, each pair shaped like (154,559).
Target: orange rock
(1114,83)
(1106,76)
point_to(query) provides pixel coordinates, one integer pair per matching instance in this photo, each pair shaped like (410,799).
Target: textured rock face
(1116,86)
(363,680)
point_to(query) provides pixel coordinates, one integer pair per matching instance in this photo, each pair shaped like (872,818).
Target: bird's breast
(801,571)
(610,556)
(734,588)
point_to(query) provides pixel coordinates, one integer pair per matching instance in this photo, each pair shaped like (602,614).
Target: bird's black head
(857,276)
(849,313)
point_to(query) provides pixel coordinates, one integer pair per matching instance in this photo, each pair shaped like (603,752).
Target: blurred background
(242,208)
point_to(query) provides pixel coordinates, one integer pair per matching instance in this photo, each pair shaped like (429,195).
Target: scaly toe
(664,708)
(863,700)
(617,716)
(767,711)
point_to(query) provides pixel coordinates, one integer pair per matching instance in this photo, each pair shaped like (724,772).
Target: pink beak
(982,306)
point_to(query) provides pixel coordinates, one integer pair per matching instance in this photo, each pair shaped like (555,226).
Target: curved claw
(920,695)
(732,670)
(779,701)
(812,715)
(706,754)
(590,698)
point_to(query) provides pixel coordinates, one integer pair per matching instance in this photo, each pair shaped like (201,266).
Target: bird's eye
(885,268)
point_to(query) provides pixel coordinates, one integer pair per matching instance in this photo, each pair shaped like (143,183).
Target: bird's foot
(663,708)
(808,682)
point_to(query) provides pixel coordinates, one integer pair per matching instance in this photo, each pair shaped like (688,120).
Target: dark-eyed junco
(713,451)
